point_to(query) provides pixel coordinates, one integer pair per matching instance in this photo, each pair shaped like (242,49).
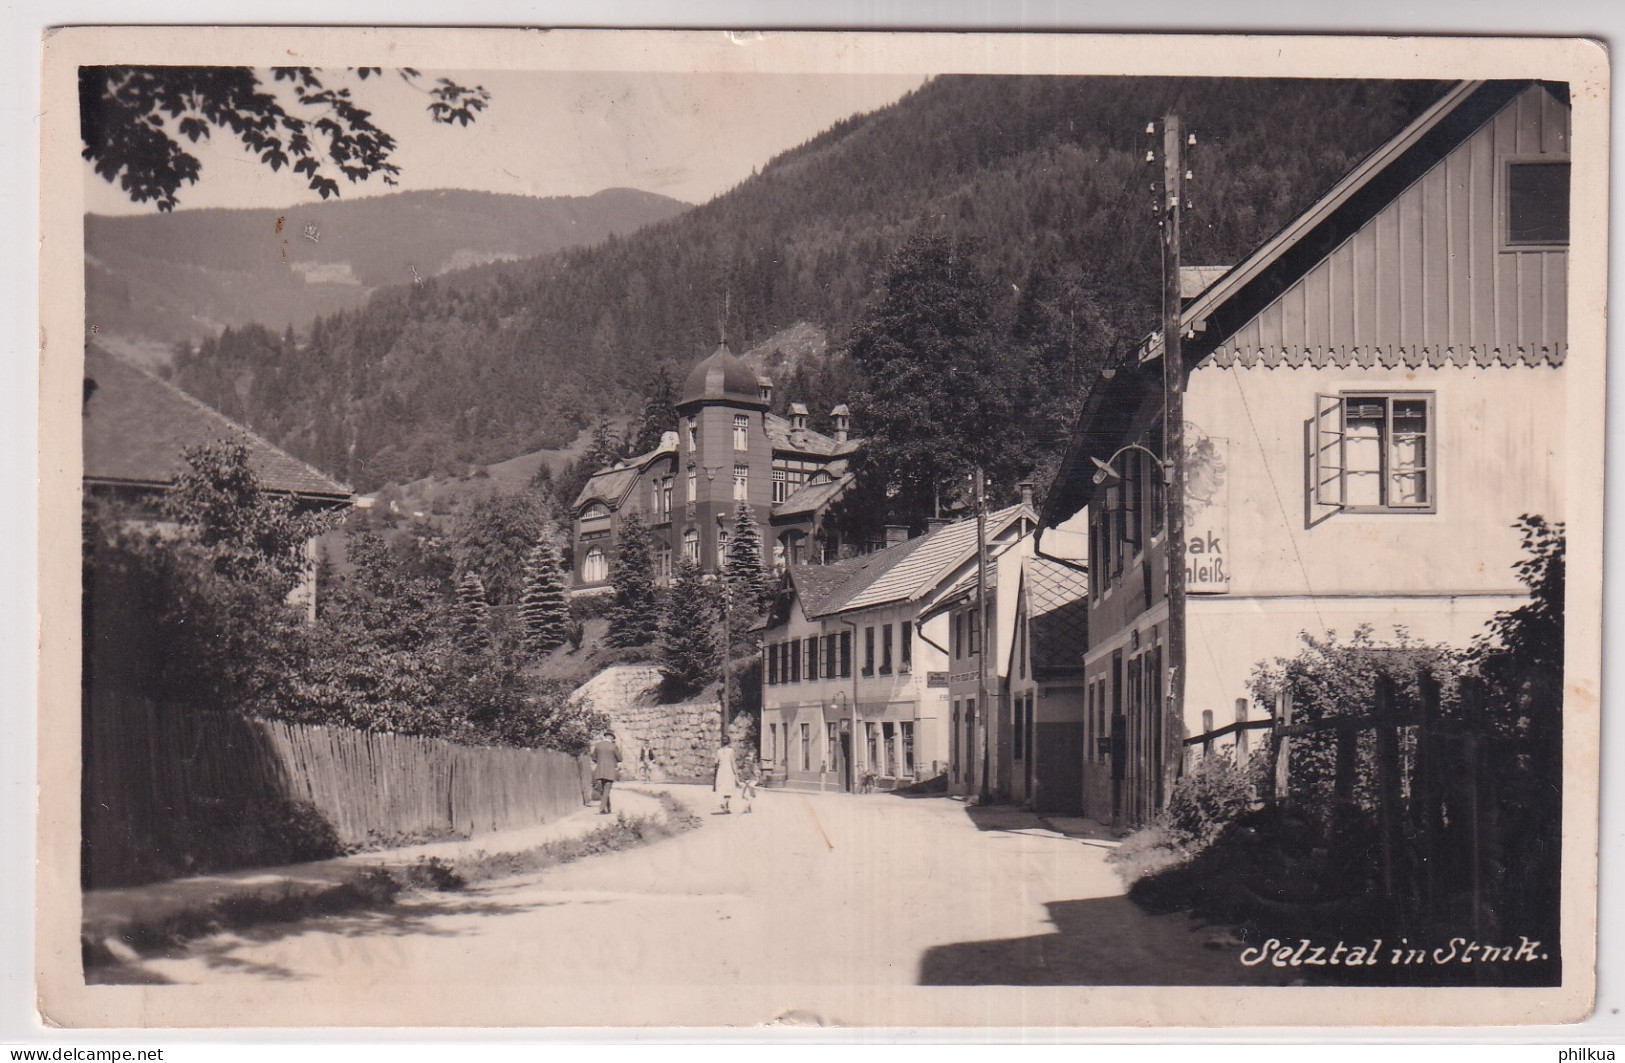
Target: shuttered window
(1374,452)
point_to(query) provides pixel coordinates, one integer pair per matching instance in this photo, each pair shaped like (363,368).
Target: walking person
(747,782)
(726,780)
(606,759)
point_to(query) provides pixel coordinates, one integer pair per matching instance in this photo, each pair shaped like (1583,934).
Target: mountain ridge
(153,281)
(1042,177)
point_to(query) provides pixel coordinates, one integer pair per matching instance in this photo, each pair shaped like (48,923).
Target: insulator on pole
(1150,156)
(1190,141)
(1189,176)
(1151,129)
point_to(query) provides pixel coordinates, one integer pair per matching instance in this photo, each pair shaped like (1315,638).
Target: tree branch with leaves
(132,121)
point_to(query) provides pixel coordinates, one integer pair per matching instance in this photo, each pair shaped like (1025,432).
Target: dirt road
(859,894)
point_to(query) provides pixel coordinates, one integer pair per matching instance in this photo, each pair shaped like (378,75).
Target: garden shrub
(1207,799)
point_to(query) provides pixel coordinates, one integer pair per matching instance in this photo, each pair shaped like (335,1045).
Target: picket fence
(167,792)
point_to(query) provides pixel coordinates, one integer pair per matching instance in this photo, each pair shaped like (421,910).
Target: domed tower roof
(722,378)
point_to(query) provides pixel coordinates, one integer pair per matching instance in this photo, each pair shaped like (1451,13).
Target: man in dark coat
(606,761)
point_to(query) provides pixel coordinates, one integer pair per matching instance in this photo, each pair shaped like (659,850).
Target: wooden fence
(168,792)
(1466,812)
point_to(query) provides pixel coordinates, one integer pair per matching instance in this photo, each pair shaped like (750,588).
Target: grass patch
(625,832)
(374,888)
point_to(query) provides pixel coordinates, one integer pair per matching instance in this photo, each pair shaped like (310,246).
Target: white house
(1374,396)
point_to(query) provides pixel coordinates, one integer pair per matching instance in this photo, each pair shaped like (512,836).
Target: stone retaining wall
(683,738)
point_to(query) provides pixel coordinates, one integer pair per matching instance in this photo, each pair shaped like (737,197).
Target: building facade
(1373,398)
(1042,720)
(728,448)
(856,661)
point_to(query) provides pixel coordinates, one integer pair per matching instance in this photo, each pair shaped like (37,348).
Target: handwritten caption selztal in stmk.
(1307,953)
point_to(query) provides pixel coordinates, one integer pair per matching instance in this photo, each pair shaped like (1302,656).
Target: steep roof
(815,583)
(1058,616)
(803,440)
(723,377)
(612,484)
(136,427)
(935,555)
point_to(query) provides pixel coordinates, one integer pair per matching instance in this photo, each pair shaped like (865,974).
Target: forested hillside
(1043,178)
(153,280)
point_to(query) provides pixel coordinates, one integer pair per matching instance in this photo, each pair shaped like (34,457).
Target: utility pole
(1173,434)
(727,654)
(987,634)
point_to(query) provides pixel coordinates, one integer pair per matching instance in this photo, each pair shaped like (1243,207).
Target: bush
(1330,678)
(1147,851)
(1207,799)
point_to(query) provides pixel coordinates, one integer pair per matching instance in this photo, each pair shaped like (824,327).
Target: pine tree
(940,399)
(688,632)
(634,616)
(746,575)
(471,615)
(607,447)
(659,411)
(543,612)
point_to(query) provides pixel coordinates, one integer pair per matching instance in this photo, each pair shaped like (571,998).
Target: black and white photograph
(678,529)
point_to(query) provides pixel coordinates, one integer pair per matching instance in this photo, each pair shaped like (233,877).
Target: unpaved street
(809,890)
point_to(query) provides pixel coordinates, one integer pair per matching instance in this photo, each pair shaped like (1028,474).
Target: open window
(1373,453)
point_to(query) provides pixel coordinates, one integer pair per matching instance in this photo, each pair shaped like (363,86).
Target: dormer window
(595,511)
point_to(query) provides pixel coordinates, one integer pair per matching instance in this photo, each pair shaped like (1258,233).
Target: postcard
(641,529)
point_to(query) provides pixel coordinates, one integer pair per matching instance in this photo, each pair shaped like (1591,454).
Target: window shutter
(1326,459)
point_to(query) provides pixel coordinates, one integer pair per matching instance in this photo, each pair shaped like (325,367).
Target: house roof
(815,583)
(935,556)
(612,484)
(903,572)
(803,440)
(1058,615)
(1243,291)
(136,428)
(810,498)
(723,377)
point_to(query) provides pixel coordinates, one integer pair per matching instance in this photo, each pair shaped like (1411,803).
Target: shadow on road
(1003,818)
(1097,941)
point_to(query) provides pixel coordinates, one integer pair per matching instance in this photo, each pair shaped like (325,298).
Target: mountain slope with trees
(153,281)
(1044,177)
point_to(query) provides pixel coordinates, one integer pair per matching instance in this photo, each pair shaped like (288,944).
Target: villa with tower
(728,448)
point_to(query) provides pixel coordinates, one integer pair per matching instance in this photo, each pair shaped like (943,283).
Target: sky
(688,136)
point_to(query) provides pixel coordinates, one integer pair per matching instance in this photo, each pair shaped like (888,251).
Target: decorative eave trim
(1472,356)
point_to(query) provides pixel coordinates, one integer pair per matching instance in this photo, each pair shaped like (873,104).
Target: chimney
(936,524)
(1026,489)
(798,416)
(842,419)
(896,533)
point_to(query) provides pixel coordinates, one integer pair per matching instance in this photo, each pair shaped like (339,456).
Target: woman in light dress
(726,781)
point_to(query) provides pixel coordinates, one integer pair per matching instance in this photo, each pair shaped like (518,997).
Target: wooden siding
(1431,268)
